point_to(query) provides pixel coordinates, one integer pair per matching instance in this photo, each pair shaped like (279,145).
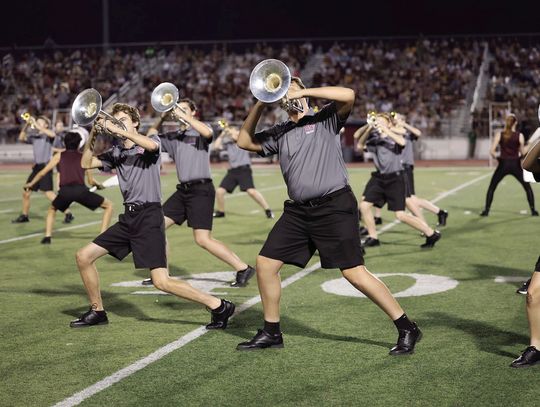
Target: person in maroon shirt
(72,186)
(512,147)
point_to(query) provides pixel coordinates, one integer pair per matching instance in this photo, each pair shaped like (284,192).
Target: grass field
(336,347)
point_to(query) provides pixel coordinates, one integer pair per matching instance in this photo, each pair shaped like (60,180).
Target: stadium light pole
(105,23)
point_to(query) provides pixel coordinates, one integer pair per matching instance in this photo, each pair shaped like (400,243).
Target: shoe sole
(521,292)
(278,346)
(87,325)
(525,366)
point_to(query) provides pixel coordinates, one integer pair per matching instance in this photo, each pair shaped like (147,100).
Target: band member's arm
(414,130)
(530,162)
(53,162)
(361,135)
(197,125)
(496,141)
(44,130)
(344,97)
(522,148)
(23,137)
(154,129)
(398,138)
(218,143)
(246,138)
(142,141)
(88,159)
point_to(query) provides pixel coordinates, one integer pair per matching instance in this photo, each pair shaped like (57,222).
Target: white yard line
(7,210)
(140,364)
(32,235)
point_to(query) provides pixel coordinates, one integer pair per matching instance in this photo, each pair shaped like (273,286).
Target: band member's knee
(161,282)
(83,258)
(533,294)
(202,240)
(107,204)
(401,215)
(251,191)
(221,191)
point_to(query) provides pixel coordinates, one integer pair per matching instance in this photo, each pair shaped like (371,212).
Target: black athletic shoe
(242,277)
(371,242)
(46,240)
(147,281)
(441,217)
(485,212)
(219,214)
(219,319)
(21,219)
(68,218)
(90,318)
(534,212)
(363,231)
(269,213)
(524,287)
(406,341)
(262,340)
(530,357)
(378,221)
(431,240)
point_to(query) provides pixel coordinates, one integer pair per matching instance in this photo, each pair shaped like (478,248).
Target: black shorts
(45,183)
(194,204)
(537,266)
(242,176)
(76,193)
(331,228)
(386,188)
(141,232)
(408,178)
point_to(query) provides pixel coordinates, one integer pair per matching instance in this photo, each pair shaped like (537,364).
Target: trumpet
(165,98)
(28,118)
(372,118)
(223,123)
(87,108)
(270,81)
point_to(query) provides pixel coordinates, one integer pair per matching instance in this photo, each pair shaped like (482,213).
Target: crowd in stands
(514,72)
(425,78)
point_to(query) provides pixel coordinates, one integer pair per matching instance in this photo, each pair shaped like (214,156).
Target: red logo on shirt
(309,128)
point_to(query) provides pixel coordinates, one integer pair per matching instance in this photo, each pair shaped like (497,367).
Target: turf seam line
(121,374)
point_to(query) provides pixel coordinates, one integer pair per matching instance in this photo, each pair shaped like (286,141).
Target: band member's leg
(269,283)
(26,202)
(374,289)
(107,214)
(257,197)
(49,223)
(220,199)
(50,195)
(517,172)
(162,281)
(86,258)
(414,222)
(205,240)
(425,204)
(533,309)
(497,177)
(368,218)
(412,205)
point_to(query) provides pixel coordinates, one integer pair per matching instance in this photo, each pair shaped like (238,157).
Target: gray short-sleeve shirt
(41,145)
(137,170)
(407,155)
(237,156)
(309,153)
(190,152)
(386,153)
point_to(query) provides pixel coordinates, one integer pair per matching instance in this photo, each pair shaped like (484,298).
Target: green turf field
(336,347)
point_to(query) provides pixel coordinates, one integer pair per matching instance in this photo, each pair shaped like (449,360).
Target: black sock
(272,328)
(403,322)
(219,309)
(100,312)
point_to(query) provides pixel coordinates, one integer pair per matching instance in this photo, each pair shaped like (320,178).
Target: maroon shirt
(69,167)
(510,146)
